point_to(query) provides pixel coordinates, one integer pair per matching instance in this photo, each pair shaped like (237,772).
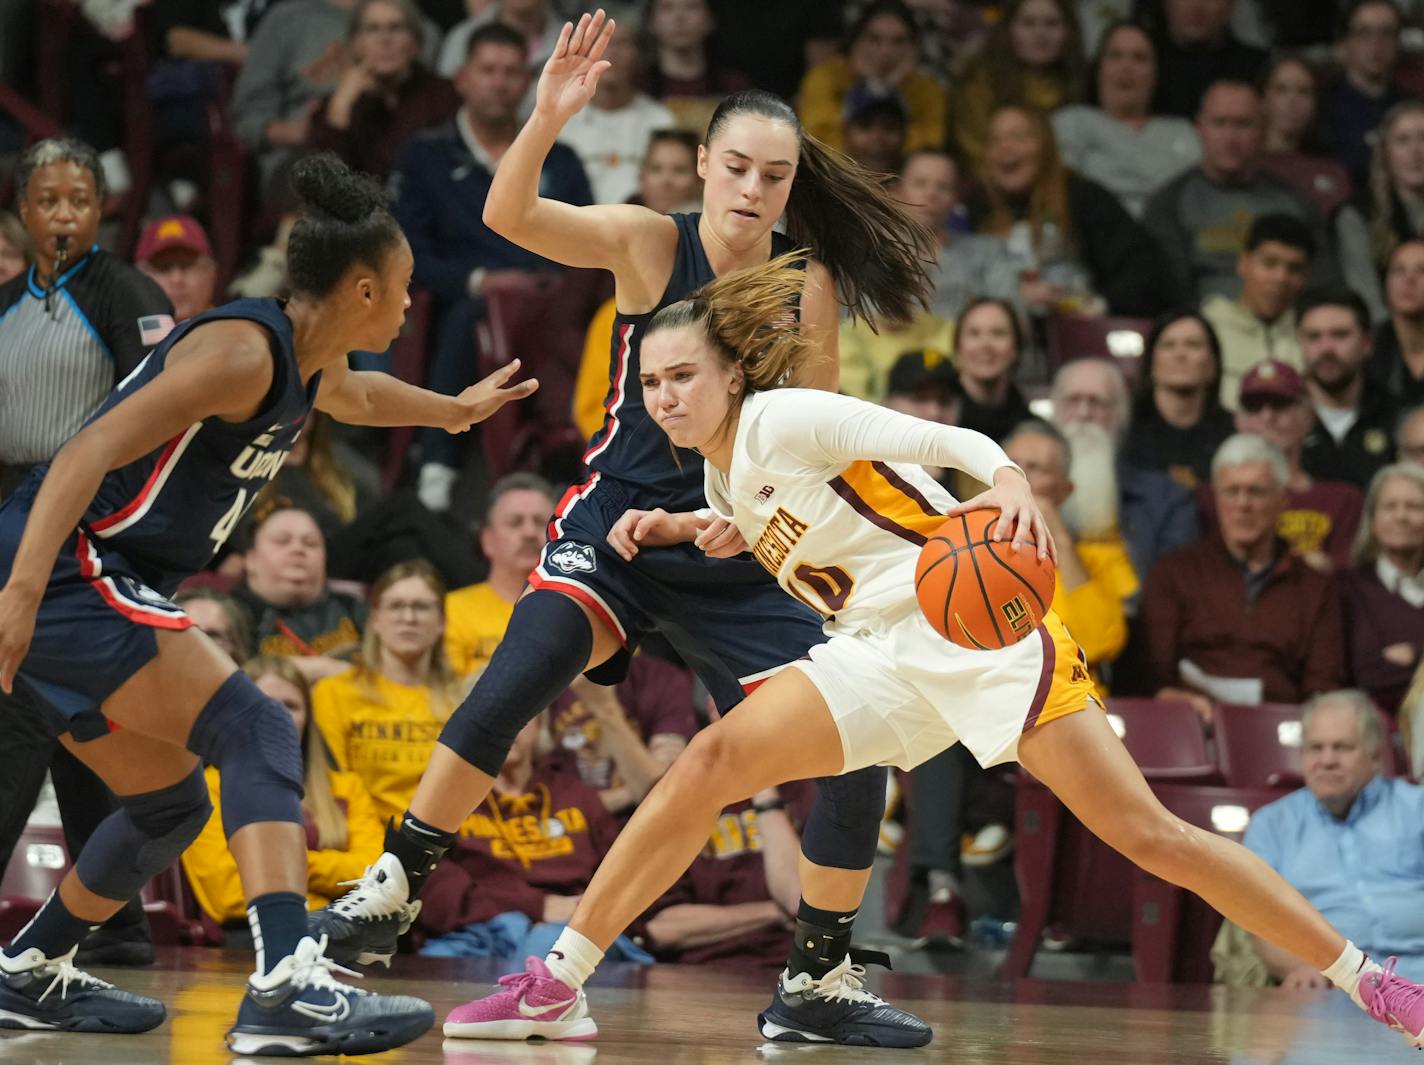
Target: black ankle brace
(418,847)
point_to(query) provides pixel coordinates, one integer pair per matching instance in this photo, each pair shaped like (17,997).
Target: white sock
(573,958)
(1348,969)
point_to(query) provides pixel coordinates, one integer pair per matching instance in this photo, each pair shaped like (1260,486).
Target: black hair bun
(331,187)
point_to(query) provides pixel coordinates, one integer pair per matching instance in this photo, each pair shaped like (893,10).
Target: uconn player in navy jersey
(587,607)
(90,549)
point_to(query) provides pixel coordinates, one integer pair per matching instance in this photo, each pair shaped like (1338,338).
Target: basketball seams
(1042,606)
(979,577)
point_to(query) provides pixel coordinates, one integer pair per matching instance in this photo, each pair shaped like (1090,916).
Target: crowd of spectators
(1238,502)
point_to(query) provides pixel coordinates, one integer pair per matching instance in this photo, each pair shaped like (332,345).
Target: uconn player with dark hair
(92,546)
(588,607)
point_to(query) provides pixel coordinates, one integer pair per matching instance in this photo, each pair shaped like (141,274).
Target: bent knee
(708,765)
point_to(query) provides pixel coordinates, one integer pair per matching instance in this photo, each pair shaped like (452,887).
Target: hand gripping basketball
(981,592)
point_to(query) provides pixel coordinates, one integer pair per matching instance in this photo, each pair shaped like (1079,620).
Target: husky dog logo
(574,558)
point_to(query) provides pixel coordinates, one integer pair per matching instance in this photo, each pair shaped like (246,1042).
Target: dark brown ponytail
(875,252)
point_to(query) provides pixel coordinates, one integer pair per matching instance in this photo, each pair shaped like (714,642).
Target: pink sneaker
(1395,1001)
(529,1004)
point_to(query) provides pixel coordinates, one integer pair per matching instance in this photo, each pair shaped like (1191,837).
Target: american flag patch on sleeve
(152,328)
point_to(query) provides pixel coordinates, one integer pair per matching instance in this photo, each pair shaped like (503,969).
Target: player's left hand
(719,538)
(17,628)
(1019,515)
(480,400)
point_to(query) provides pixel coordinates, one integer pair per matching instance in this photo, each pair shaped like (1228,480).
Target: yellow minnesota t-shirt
(382,731)
(475,620)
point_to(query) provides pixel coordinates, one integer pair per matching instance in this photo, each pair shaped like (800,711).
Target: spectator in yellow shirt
(1095,576)
(512,534)
(881,61)
(381,717)
(344,835)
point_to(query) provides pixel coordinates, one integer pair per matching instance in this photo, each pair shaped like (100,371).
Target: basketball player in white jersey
(825,492)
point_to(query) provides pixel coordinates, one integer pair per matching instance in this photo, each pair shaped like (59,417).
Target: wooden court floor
(673,1015)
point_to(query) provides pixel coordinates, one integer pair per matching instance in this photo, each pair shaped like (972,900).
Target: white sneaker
(364,925)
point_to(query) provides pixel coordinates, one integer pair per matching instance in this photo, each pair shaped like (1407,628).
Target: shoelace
(365,885)
(65,974)
(1394,995)
(847,984)
(317,970)
(519,982)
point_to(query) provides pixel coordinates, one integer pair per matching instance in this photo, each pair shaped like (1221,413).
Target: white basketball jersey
(829,495)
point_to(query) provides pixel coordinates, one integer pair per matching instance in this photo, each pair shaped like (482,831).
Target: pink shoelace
(520,983)
(1394,995)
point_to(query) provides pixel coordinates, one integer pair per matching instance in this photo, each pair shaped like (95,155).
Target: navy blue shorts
(729,620)
(94,628)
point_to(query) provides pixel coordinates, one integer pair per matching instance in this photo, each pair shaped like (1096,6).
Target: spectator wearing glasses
(384,95)
(382,716)
(1356,104)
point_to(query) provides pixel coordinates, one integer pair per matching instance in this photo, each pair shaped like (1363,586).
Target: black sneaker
(838,1009)
(298,1009)
(130,945)
(50,994)
(364,925)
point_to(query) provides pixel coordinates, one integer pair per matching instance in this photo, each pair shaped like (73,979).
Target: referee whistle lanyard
(61,253)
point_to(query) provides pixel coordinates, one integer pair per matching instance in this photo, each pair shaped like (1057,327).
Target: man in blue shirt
(1351,841)
(438,191)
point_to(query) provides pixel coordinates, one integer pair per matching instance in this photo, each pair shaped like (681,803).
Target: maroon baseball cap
(173,231)
(1272,379)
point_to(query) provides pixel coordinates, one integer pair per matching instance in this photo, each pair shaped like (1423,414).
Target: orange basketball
(978,592)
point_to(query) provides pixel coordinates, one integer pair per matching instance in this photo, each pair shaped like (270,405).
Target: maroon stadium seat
(1259,746)
(408,355)
(1122,339)
(1067,878)
(1173,930)
(37,866)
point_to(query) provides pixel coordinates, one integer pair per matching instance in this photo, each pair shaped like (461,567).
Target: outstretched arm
(360,397)
(609,236)
(221,369)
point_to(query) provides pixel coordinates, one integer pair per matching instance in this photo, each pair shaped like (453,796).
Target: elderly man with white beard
(1095,576)
(1151,512)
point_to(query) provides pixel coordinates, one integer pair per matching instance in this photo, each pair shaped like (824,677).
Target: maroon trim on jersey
(617,395)
(886,471)
(1045,678)
(842,488)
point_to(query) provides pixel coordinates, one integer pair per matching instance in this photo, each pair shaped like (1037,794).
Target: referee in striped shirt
(71,327)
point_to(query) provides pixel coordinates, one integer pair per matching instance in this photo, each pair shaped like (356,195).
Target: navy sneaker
(299,1009)
(50,994)
(364,925)
(838,1009)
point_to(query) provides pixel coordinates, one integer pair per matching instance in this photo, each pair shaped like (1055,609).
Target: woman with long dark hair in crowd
(1178,420)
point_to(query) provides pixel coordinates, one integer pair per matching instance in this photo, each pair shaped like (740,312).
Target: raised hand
(572,72)
(482,399)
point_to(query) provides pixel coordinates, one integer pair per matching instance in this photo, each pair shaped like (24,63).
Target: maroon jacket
(1325,517)
(1195,606)
(732,870)
(381,125)
(515,849)
(656,696)
(1378,618)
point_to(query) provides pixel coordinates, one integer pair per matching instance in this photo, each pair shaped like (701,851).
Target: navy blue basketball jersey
(631,446)
(169,512)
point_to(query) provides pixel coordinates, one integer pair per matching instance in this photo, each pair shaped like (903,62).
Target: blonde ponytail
(750,317)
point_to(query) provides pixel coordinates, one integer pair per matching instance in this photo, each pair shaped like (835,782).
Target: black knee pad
(143,837)
(843,827)
(545,647)
(250,737)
